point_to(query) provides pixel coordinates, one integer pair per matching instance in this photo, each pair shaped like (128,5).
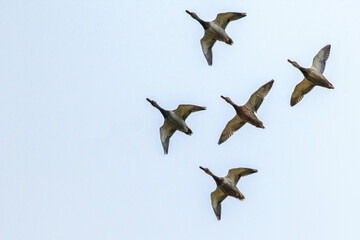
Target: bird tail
(189,132)
(330,85)
(229,41)
(241,197)
(258,124)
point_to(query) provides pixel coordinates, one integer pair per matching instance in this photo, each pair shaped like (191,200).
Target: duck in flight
(174,120)
(245,113)
(226,186)
(313,76)
(215,30)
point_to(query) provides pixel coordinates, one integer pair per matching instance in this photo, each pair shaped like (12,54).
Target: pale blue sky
(80,152)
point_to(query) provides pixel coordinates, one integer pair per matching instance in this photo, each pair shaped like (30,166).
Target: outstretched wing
(257,97)
(232,126)
(206,45)
(217,197)
(184,110)
(300,90)
(166,131)
(319,60)
(235,173)
(222,19)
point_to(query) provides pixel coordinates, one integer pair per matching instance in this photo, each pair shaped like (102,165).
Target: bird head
(151,101)
(205,169)
(192,14)
(295,64)
(227,99)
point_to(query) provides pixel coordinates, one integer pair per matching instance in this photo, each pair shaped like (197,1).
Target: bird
(313,76)
(215,30)
(226,186)
(245,113)
(174,120)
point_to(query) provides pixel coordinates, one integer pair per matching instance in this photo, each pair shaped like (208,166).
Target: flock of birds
(175,119)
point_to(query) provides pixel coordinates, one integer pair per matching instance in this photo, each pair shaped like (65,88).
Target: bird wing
(166,131)
(222,19)
(300,90)
(232,126)
(235,174)
(319,60)
(206,44)
(217,197)
(184,110)
(257,97)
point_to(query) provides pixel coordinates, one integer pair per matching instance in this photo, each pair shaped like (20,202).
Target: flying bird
(226,186)
(215,30)
(174,120)
(313,76)
(245,113)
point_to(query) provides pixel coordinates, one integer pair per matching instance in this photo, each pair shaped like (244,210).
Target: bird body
(218,33)
(245,113)
(316,78)
(226,186)
(313,76)
(215,30)
(249,116)
(178,123)
(229,188)
(174,120)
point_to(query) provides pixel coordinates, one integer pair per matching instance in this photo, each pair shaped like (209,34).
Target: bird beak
(223,97)
(201,168)
(187,11)
(149,100)
(290,61)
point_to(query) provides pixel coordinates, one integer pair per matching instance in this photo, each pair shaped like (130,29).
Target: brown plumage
(174,120)
(245,113)
(215,30)
(313,76)
(226,186)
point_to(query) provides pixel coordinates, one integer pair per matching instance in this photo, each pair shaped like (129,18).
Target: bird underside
(217,33)
(230,189)
(250,117)
(313,76)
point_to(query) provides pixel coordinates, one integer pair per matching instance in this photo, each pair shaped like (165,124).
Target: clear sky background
(80,152)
